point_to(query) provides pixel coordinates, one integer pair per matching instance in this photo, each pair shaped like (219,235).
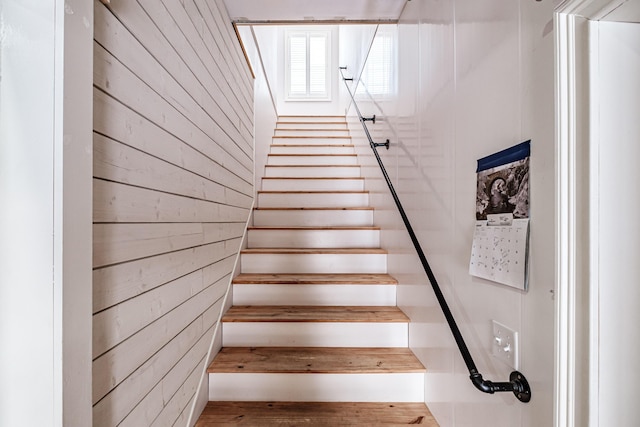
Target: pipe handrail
(517,383)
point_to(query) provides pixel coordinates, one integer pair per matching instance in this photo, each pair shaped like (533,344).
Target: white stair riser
(312,149)
(339,159)
(287,140)
(313,200)
(313,263)
(311,132)
(291,184)
(281,238)
(313,218)
(382,387)
(318,125)
(312,119)
(314,334)
(327,295)
(313,172)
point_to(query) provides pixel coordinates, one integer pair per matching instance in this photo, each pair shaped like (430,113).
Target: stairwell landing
(314,336)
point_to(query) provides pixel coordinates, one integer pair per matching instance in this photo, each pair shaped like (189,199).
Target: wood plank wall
(173,184)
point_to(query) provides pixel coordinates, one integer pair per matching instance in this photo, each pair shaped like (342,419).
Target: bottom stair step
(314,414)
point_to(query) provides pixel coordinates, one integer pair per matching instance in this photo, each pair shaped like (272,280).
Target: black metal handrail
(517,383)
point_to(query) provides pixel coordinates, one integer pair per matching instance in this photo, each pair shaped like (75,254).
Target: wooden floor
(315,414)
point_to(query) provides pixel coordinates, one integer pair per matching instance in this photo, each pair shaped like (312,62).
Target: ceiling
(280,11)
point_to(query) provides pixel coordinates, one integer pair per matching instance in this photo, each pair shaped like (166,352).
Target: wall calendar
(501,238)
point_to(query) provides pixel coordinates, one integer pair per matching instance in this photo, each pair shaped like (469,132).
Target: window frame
(308,96)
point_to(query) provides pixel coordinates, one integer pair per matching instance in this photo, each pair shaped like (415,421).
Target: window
(379,73)
(307,65)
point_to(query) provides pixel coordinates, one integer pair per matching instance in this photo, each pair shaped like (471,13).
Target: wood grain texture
(173,187)
(117,283)
(344,228)
(144,21)
(114,243)
(289,122)
(314,251)
(314,155)
(311,166)
(129,127)
(316,145)
(301,208)
(265,313)
(315,360)
(315,279)
(119,82)
(315,414)
(313,192)
(114,366)
(275,138)
(117,202)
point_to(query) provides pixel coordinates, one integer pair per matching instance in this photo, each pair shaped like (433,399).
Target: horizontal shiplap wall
(173,186)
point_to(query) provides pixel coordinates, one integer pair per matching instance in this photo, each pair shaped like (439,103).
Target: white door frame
(576,379)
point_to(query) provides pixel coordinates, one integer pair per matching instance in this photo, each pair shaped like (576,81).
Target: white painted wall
(473,80)
(266,38)
(354,45)
(45,220)
(615,77)
(265,112)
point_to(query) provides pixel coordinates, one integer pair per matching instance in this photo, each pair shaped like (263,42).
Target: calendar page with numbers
(499,252)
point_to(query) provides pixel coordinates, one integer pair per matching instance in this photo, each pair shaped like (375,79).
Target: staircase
(314,336)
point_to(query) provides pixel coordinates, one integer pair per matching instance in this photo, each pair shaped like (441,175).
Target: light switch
(504,344)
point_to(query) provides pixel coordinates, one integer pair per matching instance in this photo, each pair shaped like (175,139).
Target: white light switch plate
(505,344)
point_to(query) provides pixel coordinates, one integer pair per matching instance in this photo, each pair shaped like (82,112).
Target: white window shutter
(297,64)
(307,67)
(318,65)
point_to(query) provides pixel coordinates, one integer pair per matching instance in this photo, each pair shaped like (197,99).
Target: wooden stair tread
(315,116)
(341,251)
(311,155)
(307,145)
(314,279)
(346,314)
(312,129)
(313,177)
(340,228)
(311,166)
(311,123)
(330,360)
(313,192)
(327,208)
(312,136)
(337,119)
(315,414)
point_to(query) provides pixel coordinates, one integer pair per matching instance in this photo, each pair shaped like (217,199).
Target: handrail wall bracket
(382,144)
(517,384)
